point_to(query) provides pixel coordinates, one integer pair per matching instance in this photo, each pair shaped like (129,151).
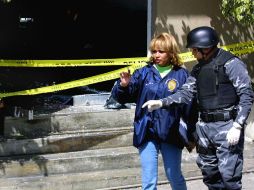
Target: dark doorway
(68,29)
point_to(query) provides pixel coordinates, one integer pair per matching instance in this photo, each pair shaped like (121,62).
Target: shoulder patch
(172,84)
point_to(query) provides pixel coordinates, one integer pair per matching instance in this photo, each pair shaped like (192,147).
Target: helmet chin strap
(205,55)
(200,50)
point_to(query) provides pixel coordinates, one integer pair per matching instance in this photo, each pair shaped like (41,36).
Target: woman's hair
(167,43)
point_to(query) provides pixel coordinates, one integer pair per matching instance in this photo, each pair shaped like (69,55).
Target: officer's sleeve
(184,95)
(187,127)
(238,75)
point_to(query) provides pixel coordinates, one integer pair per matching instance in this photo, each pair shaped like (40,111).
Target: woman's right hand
(125,78)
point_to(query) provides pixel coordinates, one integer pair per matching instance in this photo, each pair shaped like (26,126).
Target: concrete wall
(179,17)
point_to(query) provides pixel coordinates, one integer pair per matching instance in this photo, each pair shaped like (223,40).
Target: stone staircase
(84,146)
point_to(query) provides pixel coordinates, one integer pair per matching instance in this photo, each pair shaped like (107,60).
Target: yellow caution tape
(240,49)
(72,63)
(237,49)
(76,83)
(131,63)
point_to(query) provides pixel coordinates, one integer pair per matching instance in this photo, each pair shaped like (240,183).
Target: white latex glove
(234,134)
(152,105)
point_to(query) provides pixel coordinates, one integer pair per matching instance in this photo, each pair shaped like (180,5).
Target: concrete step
(90,99)
(79,147)
(116,168)
(73,119)
(71,162)
(108,179)
(125,173)
(99,139)
(129,178)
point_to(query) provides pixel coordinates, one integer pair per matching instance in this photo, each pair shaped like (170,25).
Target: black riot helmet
(202,37)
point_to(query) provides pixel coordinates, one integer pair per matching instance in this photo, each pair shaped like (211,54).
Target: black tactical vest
(214,89)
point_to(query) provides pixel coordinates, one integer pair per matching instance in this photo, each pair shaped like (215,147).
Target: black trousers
(222,164)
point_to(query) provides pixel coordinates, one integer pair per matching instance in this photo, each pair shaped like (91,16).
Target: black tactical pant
(220,164)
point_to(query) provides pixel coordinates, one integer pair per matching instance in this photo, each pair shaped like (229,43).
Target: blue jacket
(162,125)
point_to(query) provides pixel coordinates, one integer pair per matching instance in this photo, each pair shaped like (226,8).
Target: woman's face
(160,57)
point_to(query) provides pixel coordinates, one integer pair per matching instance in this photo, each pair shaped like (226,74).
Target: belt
(205,151)
(218,116)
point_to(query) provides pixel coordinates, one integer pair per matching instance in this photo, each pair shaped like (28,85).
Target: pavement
(197,183)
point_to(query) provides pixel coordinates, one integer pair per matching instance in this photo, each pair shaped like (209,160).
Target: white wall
(179,17)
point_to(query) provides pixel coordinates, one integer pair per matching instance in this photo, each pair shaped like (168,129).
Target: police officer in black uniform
(222,87)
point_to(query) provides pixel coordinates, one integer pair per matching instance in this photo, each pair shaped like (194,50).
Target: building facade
(179,17)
